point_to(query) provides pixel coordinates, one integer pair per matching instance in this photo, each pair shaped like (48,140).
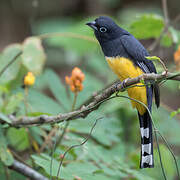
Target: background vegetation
(53,39)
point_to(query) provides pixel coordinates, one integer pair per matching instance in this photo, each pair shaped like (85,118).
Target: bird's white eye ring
(102,29)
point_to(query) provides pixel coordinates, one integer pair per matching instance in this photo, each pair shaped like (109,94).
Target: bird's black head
(105,29)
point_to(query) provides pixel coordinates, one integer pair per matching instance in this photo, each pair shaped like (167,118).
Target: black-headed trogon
(126,56)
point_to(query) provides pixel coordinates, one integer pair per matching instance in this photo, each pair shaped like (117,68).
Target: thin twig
(166,26)
(165,11)
(48,138)
(51,163)
(67,123)
(82,134)
(67,34)
(13,60)
(163,65)
(177,18)
(74,146)
(157,41)
(6,172)
(63,134)
(52,154)
(160,159)
(58,141)
(170,149)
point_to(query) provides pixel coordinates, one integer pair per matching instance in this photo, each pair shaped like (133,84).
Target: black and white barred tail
(147,160)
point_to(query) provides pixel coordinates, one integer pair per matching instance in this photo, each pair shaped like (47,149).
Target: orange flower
(75,80)
(177,58)
(29,79)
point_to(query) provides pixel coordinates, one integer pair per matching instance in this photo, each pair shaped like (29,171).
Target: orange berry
(73,89)
(76,71)
(67,79)
(177,58)
(81,87)
(77,83)
(82,77)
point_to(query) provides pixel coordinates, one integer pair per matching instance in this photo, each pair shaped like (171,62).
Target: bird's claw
(122,86)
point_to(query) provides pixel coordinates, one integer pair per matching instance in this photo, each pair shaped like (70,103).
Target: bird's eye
(102,29)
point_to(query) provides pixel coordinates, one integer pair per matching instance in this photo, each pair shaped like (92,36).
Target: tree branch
(166,26)
(27,171)
(94,104)
(165,11)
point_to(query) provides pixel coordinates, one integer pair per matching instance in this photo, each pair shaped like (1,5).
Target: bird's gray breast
(114,48)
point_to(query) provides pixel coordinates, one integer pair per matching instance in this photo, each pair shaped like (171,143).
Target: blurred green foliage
(113,152)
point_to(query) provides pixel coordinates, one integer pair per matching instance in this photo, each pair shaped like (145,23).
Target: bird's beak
(92,24)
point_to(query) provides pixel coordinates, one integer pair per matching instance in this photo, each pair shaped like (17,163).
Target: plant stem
(74,101)
(67,34)
(76,145)
(25,99)
(59,139)
(68,122)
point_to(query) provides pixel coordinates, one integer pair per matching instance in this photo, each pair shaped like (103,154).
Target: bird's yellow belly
(124,68)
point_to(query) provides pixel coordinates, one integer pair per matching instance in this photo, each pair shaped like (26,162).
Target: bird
(127,58)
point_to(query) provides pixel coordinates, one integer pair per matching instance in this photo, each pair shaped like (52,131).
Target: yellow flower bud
(29,79)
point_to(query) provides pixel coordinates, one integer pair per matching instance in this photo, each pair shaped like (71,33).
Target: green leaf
(18,138)
(153,58)
(5,155)
(81,169)
(33,55)
(44,161)
(142,81)
(166,40)
(7,56)
(58,88)
(147,26)
(42,103)
(38,114)
(13,103)
(106,130)
(174,113)
(161,116)
(4,118)
(37,134)
(167,160)
(175,34)
(69,172)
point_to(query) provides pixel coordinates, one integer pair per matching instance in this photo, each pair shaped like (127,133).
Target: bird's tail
(147,160)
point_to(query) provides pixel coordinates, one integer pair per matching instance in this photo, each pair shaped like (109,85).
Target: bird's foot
(121,86)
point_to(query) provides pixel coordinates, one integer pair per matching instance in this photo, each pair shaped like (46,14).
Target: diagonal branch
(27,171)
(94,104)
